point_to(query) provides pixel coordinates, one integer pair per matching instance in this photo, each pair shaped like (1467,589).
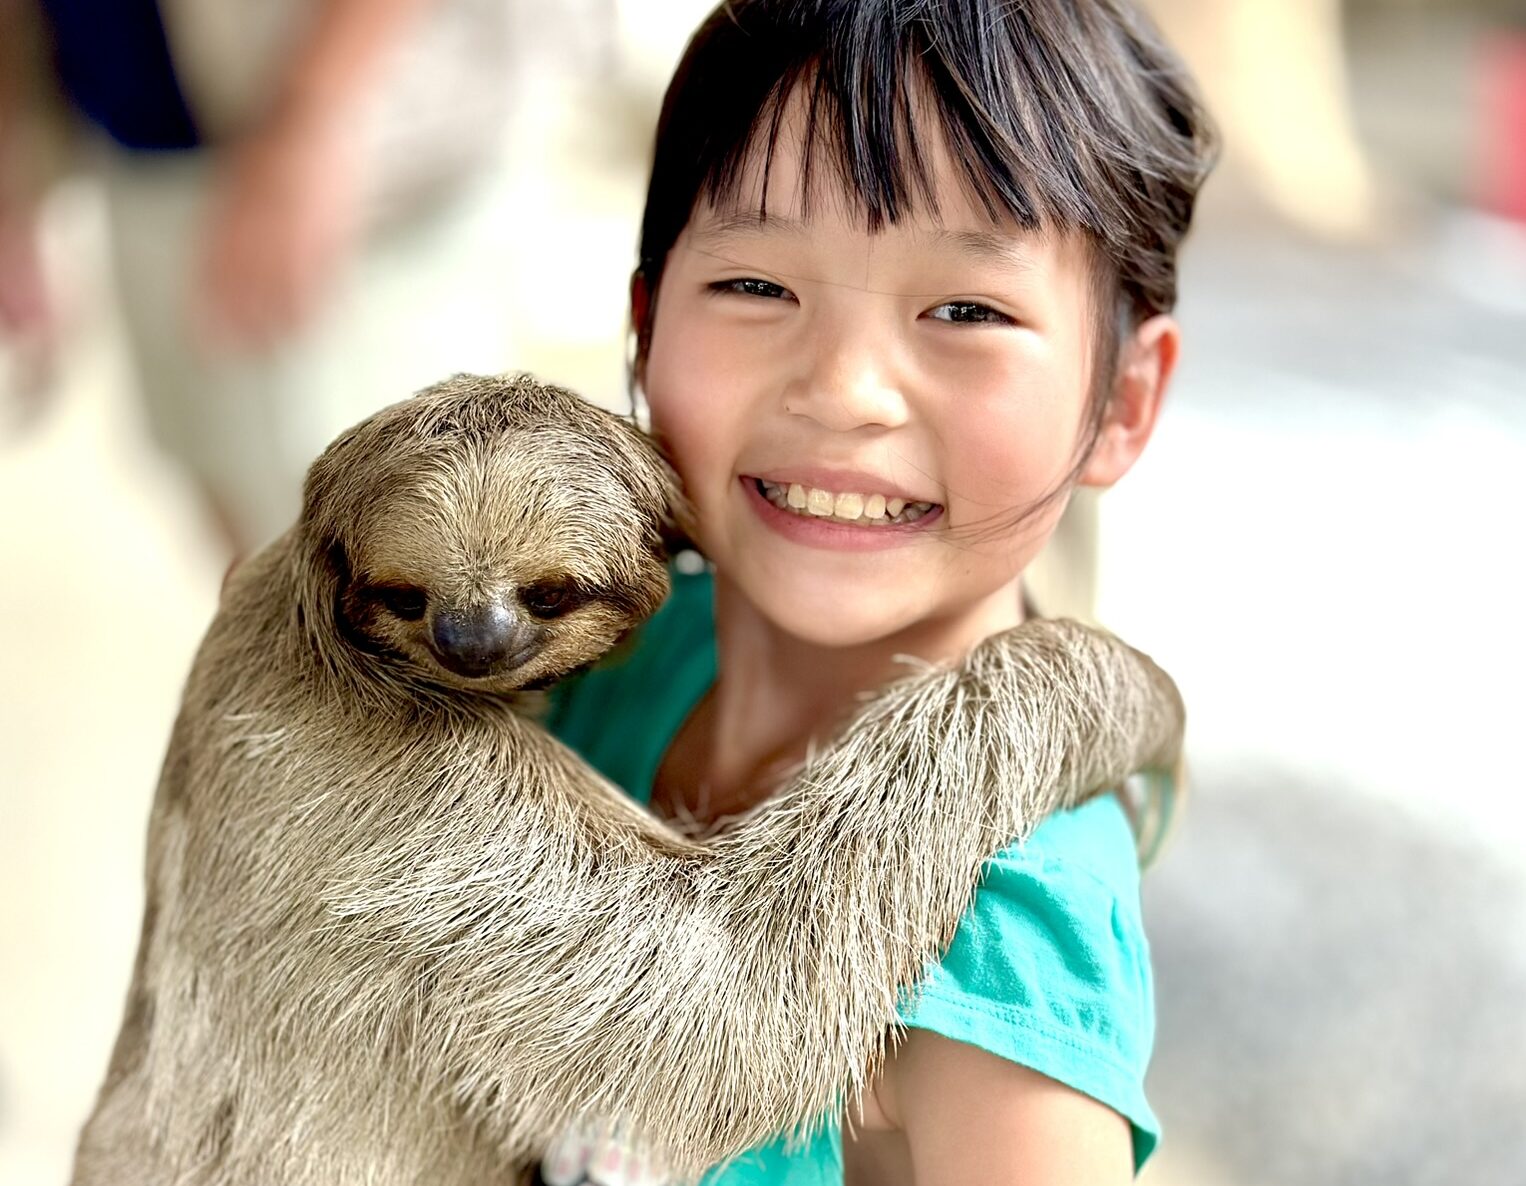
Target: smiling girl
(905,278)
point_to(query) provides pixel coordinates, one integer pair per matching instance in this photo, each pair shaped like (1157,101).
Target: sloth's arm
(714,997)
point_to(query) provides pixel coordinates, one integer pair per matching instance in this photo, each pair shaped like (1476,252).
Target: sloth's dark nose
(481,639)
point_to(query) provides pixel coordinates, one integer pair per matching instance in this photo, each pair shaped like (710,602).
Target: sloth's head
(488,534)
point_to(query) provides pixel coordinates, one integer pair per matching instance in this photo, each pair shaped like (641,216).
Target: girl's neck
(775,694)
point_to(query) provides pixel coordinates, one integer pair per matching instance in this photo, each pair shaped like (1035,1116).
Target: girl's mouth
(846,508)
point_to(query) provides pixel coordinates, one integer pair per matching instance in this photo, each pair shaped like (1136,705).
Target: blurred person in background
(296,194)
(1275,72)
(1504,87)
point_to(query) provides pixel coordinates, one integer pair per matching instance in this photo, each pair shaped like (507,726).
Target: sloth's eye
(406,601)
(549,599)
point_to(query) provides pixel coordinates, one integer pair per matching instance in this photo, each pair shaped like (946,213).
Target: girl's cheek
(1009,455)
(687,451)
(697,386)
(1014,442)
(683,419)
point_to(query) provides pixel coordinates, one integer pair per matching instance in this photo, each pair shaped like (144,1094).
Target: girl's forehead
(724,230)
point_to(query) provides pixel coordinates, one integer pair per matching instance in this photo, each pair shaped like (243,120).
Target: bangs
(1056,114)
(865,132)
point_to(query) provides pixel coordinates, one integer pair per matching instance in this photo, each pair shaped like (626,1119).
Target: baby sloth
(395,933)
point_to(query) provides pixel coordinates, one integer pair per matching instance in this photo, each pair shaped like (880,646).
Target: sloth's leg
(714,997)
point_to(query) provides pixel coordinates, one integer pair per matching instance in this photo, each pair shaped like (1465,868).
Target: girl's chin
(903,607)
(829,635)
(828,613)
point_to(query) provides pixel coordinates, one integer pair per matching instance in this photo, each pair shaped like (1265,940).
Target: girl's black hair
(1063,115)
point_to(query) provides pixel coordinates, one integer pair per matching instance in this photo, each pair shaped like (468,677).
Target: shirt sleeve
(1050,968)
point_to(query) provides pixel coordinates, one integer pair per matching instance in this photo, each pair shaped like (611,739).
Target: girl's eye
(970,313)
(748,286)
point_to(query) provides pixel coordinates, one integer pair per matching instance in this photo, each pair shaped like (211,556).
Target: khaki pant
(418,303)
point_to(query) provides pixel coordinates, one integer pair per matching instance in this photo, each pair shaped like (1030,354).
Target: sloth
(396,933)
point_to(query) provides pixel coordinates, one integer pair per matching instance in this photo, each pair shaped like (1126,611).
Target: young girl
(904,283)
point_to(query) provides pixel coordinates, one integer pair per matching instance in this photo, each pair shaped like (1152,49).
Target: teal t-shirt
(1049,966)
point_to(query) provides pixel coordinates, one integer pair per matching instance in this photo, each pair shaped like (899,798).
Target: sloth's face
(500,556)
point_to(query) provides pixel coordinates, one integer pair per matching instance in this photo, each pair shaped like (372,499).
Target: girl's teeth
(866,510)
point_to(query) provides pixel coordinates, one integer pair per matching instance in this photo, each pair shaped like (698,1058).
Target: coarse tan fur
(396,934)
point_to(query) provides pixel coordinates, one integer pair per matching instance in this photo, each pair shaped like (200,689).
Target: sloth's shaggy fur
(396,934)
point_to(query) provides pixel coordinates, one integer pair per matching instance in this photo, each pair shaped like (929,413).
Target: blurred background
(1322,544)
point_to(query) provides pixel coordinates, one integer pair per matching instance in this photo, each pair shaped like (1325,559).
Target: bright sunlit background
(1323,545)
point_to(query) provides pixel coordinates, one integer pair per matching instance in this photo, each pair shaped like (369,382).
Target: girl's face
(938,368)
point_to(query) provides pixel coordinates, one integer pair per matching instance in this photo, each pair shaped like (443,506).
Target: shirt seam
(1024,1021)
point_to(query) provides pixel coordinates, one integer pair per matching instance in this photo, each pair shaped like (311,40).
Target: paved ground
(1322,544)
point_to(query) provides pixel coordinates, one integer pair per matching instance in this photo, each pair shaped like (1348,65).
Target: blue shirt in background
(113,62)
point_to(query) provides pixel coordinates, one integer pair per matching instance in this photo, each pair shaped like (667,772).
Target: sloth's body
(397,934)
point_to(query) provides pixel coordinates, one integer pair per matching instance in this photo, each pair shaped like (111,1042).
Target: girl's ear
(641,316)
(1148,359)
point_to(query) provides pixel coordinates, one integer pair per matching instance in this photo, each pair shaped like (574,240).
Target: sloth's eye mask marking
(407,602)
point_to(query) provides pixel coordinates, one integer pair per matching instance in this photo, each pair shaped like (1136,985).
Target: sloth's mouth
(861,510)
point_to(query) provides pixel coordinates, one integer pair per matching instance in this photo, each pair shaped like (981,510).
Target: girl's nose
(847,384)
